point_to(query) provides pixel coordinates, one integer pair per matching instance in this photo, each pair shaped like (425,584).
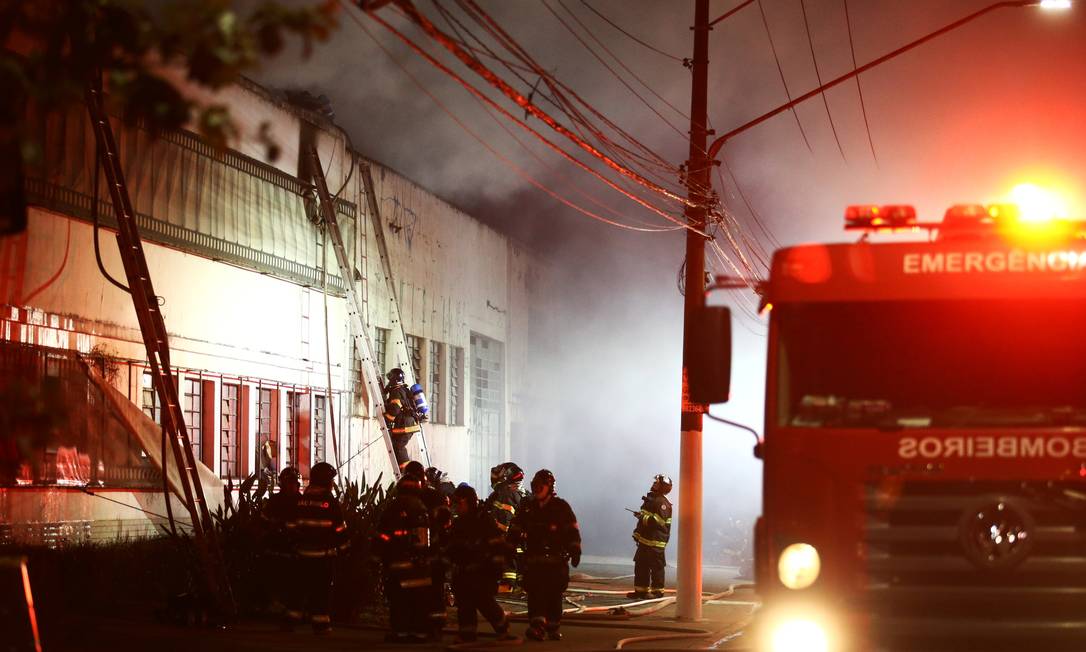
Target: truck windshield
(933,364)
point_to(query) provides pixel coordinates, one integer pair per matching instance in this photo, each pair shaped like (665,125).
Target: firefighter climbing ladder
(370,372)
(155,339)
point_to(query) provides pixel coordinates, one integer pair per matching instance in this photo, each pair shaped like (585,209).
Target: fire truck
(925,437)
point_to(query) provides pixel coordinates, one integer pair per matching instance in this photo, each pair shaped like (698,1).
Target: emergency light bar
(874,217)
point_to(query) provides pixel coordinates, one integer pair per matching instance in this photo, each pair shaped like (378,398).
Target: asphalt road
(597,591)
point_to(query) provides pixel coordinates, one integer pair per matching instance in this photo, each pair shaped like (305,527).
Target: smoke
(955,120)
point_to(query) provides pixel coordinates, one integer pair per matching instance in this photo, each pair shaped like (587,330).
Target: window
(192,405)
(456,383)
(487,406)
(380,350)
(319,408)
(292,431)
(149,399)
(414,352)
(229,462)
(266,432)
(434,391)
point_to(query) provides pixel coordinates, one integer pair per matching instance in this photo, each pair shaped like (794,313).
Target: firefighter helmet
(496,476)
(435,476)
(465,492)
(414,469)
(542,478)
(512,473)
(290,474)
(322,473)
(408,484)
(661,484)
(396,376)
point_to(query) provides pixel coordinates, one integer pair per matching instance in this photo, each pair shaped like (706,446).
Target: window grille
(192,406)
(229,462)
(435,389)
(318,428)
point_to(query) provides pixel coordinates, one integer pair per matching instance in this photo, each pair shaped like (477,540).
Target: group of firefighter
(432,534)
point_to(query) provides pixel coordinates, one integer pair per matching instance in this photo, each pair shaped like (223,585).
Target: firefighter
(404,547)
(547,527)
(319,533)
(651,534)
(279,556)
(401,414)
(476,550)
(502,504)
(439,515)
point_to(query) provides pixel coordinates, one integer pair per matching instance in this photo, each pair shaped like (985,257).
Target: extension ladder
(155,339)
(370,372)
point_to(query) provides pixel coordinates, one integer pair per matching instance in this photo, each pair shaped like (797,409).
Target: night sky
(963,118)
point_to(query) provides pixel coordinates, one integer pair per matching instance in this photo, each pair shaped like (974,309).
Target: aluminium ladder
(370,373)
(156,342)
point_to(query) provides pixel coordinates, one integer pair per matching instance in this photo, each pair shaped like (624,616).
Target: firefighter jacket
(653,522)
(439,514)
(546,530)
(502,505)
(403,531)
(316,526)
(276,513)
(400,410)
(477,548)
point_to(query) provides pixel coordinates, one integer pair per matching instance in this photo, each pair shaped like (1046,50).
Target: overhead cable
(535,111)
(488,75)
(631,36)
(818,76)
(523,174)
(780,71)
(859,88)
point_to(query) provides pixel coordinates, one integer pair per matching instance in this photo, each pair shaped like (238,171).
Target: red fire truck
(925,437)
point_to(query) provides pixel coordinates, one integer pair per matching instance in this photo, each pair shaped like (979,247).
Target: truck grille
(975,565)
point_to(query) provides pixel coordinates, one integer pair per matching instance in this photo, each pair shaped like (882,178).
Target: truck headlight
(800,635)
(798,566)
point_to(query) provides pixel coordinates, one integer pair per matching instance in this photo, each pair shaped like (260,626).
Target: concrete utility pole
(698,167)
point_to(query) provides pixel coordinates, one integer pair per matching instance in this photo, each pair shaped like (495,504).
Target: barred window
(149,399)
(318,428)
(380,350)
(264,430)
(192,405)
(435,389)
(414,351)
(292,430)
(229,462)
(456,384)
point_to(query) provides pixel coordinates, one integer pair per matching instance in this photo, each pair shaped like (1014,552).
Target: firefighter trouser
(436,596)
(313,578)
(399,446)
(648,568)
(474,594)
(407,589)
(545,582)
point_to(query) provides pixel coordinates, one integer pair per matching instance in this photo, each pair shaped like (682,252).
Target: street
(596,627)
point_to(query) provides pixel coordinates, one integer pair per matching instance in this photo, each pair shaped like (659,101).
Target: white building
(260,339)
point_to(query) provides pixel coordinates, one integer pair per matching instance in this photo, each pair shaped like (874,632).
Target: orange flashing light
(766,308)
(889,216)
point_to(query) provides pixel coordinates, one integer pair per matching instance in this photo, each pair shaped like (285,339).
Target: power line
(631,36)
(818,76)
(521,101)
(493,150)
(780,70)
(620,63)
(559,89)
(859,88)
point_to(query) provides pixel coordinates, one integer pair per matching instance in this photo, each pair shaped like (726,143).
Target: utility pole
(698,182)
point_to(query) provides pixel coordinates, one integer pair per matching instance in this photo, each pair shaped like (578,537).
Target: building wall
(239,322)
